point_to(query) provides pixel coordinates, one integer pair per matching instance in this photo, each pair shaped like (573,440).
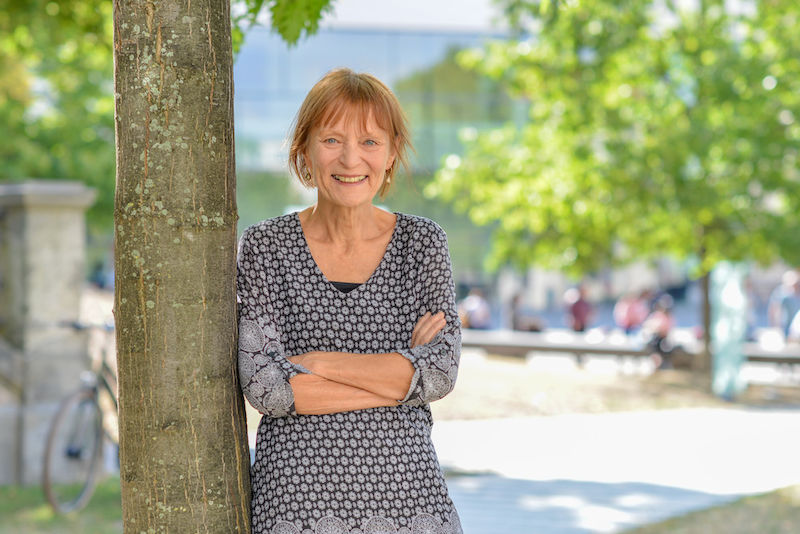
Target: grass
(504,387)
(26,510)
(777,512)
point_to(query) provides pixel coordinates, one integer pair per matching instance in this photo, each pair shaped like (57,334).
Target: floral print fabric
(360,472)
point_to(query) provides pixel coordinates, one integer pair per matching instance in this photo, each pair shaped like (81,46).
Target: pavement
(577,474)
(607,473)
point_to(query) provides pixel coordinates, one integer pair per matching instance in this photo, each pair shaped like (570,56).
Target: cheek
(319,159)
(382,161)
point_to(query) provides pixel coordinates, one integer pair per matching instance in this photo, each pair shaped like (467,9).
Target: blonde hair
(343,91)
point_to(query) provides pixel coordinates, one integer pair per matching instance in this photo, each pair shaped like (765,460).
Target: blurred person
(793,335)
(784,301)
(579,313)
(630,311)
(657,328)
(347,332)
(475,311)
(579,310)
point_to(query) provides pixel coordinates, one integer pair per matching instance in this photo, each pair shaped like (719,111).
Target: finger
(427,338)
(430,330)
(424,326)
(434,323)
(417,327)
(415,332)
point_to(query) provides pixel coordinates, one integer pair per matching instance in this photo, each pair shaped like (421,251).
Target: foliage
(666,127)
(292,19)
(56,101)
(56,105)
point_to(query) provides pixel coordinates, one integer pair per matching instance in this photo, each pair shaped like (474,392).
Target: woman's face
(348,160)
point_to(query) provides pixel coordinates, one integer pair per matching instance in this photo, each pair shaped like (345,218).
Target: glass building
(271,81)
(439,97)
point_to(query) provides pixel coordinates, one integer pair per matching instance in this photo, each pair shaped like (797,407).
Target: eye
(329,141)
(371,142)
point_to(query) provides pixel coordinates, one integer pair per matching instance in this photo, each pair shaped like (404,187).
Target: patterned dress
(371,471)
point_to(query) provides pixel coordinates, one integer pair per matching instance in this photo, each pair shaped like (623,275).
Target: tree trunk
(183,440)
(703,361)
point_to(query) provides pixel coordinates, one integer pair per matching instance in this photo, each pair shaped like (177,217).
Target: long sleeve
(435,363)
(264,370)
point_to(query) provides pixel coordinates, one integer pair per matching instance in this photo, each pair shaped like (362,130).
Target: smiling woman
(347,330)
(347,161)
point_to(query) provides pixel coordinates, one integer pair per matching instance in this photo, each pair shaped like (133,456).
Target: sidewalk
(573,474)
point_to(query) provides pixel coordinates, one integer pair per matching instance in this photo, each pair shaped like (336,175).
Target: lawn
(25,510)
(773,513)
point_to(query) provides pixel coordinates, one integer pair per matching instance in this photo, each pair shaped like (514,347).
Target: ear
(392,156)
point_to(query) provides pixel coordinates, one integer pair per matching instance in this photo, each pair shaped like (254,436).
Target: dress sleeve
(435,363)
(264,370)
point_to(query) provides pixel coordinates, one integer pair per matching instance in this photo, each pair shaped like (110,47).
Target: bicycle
(74,448)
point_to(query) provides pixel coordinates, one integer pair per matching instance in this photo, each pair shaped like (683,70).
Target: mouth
(349,179)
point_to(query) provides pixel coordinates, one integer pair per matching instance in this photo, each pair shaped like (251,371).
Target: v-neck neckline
(328,283)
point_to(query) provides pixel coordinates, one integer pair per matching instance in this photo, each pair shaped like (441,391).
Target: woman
(347,330)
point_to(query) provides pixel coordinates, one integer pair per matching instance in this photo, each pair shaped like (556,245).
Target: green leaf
(293,19)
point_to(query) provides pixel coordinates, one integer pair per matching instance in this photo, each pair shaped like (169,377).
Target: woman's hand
(307,359)
(426,328)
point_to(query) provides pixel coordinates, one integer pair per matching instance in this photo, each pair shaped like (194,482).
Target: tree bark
(702,363)
(703,360)
(183,440)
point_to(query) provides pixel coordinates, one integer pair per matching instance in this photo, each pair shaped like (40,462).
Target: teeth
(349,179)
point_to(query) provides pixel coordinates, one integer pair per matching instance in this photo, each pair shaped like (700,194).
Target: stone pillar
(42,273)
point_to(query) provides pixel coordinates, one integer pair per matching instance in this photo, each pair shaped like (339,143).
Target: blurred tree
(56,105)
(56,101)
(453,93)
(184,456)
(655,128)
(439,100)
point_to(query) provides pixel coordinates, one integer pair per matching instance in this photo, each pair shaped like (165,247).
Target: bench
(516,343)
(785,355)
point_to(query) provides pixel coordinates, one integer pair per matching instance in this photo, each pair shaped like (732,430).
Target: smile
(349,179)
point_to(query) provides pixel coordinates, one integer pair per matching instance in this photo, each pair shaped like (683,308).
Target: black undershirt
(345,287)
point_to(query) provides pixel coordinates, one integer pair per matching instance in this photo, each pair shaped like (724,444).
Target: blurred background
(619,186)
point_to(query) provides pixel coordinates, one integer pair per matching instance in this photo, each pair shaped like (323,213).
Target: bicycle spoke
(73,451)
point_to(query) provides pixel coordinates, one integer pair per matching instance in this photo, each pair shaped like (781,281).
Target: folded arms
(279,384)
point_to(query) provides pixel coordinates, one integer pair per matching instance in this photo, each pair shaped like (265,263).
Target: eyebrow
(324,132)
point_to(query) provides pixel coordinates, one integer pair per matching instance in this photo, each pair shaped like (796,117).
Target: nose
(350,155)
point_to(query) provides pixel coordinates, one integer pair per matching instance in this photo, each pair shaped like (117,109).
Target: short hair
(339,91)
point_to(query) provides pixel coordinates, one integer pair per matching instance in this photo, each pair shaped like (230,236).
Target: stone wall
(42,272)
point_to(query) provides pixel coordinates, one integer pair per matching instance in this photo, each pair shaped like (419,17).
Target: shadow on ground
(491,504)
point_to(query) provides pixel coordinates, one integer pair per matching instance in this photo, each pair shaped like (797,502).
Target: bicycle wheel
(73,452)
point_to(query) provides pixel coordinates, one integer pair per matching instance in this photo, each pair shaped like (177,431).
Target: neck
(340,224)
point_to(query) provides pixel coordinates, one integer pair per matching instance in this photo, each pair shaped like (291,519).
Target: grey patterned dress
(371,471)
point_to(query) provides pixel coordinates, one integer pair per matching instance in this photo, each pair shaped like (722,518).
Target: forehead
(361,115)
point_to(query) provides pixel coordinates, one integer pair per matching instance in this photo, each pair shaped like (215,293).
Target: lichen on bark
(183,445)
